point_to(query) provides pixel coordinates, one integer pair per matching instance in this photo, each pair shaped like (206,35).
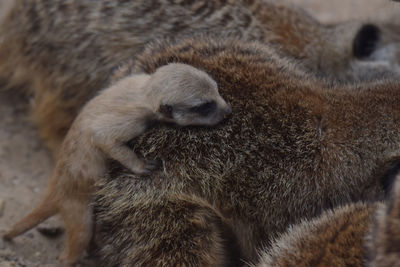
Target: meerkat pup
(176,93)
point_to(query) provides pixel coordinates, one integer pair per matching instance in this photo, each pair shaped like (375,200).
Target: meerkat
(357,234)
(293,148)
(382,244)
(335,238)
(175,93)
(35,49)
(63,51)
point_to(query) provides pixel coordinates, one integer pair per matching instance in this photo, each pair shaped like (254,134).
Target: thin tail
(47,208)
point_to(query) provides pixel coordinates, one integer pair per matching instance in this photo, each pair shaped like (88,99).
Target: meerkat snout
(209,113)
(227,111)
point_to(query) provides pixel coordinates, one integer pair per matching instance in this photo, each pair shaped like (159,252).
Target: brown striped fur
(64,51)
(383,242)
(293,148)
(333,239)
(359,234)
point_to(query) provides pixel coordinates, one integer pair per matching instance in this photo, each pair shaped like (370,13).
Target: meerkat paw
(147,167)
(6,236)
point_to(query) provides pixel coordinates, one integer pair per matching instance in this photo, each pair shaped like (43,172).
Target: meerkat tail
(46,209)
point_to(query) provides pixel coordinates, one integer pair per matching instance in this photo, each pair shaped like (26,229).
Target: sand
(25,164)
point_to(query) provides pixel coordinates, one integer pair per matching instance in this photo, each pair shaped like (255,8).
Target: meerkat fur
(293,148)
(357,234)
(62,51)
(335,238)
(382,244)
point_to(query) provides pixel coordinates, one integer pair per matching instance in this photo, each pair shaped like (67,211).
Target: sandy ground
(25,164)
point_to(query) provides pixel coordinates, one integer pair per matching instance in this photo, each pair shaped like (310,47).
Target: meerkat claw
(153,164)
(149,166)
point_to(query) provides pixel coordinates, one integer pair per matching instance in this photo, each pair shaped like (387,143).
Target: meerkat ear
(166,110)
(366,41)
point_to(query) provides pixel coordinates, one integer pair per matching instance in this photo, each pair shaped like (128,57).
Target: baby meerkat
(176,93)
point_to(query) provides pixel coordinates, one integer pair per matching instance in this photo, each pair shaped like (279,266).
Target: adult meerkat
(335,238)
(176,93)
(358,234)
(382,243)
(63,51)
(293,148)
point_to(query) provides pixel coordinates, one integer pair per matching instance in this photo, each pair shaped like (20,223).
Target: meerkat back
(358,234)
(64,51)
(288,142)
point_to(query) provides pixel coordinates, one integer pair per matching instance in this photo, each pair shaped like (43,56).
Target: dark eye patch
(366,41)
(204,109)
(166,110)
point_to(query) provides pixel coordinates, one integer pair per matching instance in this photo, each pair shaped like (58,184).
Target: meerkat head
(187,96)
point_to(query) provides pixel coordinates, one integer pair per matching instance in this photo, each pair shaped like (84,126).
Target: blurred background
(324,10)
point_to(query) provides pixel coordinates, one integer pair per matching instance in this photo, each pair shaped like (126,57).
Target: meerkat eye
(166,110)
(204,109)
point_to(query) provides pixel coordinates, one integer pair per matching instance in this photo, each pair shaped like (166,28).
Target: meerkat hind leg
(78,218)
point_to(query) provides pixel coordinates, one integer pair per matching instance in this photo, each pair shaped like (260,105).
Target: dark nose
(227,111)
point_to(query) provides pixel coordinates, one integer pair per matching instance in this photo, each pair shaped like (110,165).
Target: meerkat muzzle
(227,111)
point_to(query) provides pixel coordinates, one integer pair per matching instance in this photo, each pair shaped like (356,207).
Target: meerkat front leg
(113,136)
(129,159)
